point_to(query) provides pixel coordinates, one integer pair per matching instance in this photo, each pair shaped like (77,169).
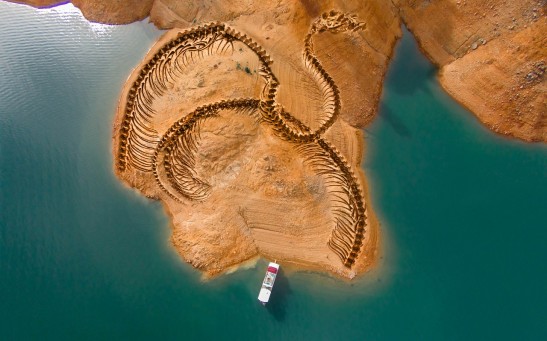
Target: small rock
(474,46)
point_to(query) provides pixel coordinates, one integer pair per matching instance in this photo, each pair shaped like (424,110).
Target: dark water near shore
(82,257)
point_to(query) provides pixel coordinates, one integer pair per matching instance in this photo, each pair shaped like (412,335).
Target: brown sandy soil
(264,194)
(516,102)
(39,3)
(492,55)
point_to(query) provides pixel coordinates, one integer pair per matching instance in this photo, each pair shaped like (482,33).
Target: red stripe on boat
(272,269)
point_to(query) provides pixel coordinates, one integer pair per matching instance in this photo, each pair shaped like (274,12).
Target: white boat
(268,283)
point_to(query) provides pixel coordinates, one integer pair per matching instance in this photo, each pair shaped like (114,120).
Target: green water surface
(463,214)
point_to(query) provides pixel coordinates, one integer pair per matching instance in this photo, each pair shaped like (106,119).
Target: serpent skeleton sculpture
(171,156)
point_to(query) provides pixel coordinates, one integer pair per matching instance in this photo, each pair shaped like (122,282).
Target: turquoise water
(82,257)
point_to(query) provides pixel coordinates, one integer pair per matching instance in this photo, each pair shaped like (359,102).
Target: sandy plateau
(244,119)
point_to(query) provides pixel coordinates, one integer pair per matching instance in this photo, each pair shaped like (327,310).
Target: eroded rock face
(40,3)
(485,51)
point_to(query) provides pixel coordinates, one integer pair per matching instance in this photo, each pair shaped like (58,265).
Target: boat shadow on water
(277,306)
(394,121)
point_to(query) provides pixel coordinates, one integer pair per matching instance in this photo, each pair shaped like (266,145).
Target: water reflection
(277,306)
(394,122)
(413,71)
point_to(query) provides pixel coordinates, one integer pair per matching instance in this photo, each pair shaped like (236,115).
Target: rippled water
(82,257)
